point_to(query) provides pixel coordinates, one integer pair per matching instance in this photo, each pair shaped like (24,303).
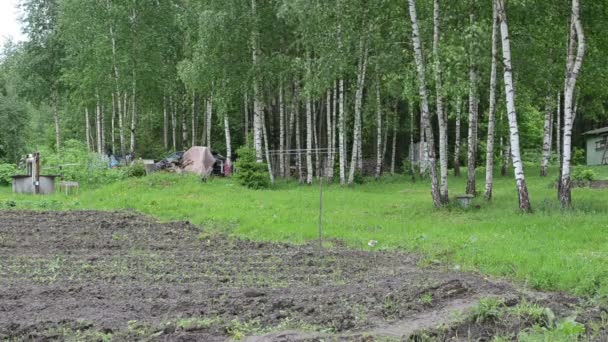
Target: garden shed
(597,146)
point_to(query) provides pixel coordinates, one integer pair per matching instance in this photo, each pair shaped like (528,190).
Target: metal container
(23,184)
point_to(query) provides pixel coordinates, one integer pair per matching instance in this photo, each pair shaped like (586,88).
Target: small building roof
(597,131)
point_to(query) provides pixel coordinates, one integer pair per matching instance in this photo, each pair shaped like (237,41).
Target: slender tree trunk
(98,124)
(297,130)
(309,137)
(575,61)
(547,130)
(522,189)
(329,123)
(424,104)
(394,142)
(558,131)
(246,105)
(384,145)
(267,153)
(173,105)
(209,122)
(103,127)
(315,138)
(362,68)
(193,119)
(443,124)
(492,111)
(184,121)
(378,130)
(342,133)
(113,124)
(165,124)
(87,128)
(472,136)
(410,106)
(290,132)
(457,137)
(227,135)
(121,126)
(332,145)
(281,132)
(133,115)
(257,105)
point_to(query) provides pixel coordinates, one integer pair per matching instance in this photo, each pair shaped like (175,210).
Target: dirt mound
(97,275)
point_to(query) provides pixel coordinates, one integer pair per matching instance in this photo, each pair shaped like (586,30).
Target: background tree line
(367,80)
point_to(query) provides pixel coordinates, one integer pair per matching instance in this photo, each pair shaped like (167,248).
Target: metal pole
(321,212)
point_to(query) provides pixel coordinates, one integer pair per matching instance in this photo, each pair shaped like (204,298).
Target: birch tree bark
(410,106)
(575,61)
(133,114)
(547,130)
(332,160)
(113,125)
(281,131)
(173,105)
(267,153)
(492,111)
(257,106)
(298,134)
(341,133)
(165,124)
(328,118)
(361,70)
(443,124)
(522,189)
(290,132)
(473,115)
(457,137)
(558,131)
(228,140)
(184,121)
(193,120)
(378,130)
(309,137)
(87,128)
(55,100)
(209,122)
(98,125)
(424,106)
(246,107)
(394,140)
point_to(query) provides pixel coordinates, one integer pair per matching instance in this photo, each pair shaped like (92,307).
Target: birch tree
(492,110)
(473,115)
(522,189)
(576,52)
(547,130)
(443,124)
(424,104)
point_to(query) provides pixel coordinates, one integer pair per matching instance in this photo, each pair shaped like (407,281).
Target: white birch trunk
(394,142)
(267,153)
(133,115)
(457,137)
(332,145)
(297,130)
(228,140)
(378,130)
(173,106)
(309,137)
(257,106)
(410,106)
(193,120)
(443,124)
(356,158)
(98,125)
(184,122)
(246,107)
(87,128)
(558,130)
(113,124)
(341,133)
(473,115)
(575,62)
(547,130)
(208,124)
(492,111)
(281,132)
(522,189)
(165,124)
(424,106)
(329,123)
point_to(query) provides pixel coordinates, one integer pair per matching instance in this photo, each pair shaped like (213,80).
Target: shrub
(584,175)
(137,169)
(250,173)
(6,171)
(578,156)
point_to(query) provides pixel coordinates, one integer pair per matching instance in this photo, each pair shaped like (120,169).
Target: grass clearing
(549,249)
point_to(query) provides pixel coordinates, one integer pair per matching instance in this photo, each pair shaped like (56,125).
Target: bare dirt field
(123,276)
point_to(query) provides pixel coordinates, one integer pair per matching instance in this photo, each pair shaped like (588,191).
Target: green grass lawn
(548,249)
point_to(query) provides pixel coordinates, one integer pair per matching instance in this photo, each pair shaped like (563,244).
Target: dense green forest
(381,86)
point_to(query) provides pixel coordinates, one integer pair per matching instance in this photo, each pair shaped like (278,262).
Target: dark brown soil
(99,275)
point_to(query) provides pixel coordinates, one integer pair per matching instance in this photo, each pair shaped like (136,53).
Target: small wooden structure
(597,146)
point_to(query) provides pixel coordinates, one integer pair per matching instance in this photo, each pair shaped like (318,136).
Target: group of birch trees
(329,89)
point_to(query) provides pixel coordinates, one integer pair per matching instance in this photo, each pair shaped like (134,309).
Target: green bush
(137,169)
(6,171)
(584,175)
(578,156)
(250,173)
